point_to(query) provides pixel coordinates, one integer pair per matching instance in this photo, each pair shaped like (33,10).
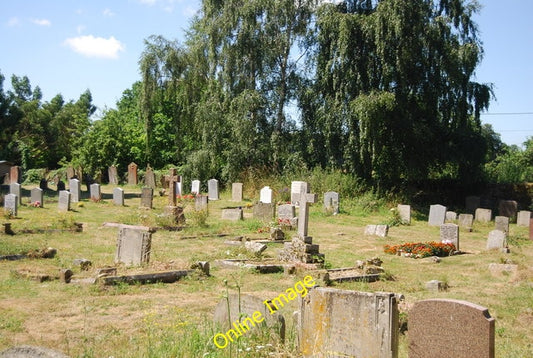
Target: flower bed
(421,249)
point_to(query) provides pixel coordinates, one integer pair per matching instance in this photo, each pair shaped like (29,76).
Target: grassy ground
(175,320)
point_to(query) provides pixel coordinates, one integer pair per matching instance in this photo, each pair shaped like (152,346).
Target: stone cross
(172,179)
(303,215)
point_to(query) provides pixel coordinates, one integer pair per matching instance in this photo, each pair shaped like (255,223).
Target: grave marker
(74,187)
(201,202)
(523,218)
(287,215)
(15,188)
(195,187)
(15,175)
(118,196)
(437,215)
(147,197)
(37,196)
(263,211)
(212,189)
(496,240)
(232,214)
(405,213)
(132,174)
(451,216)
(149,177)
(296,188)
(265,195)
(449,233)
(11,204)
(96,192)
(508,208)
(64,200)
(173,178)
(502,223)
(466,221)
(303,215)
(483,215)
(112,175)
(331,202)
(133,245)
(236,192)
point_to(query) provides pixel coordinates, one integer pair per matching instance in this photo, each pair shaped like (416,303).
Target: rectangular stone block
(449,233)
(264,211)
(405,213)
(74,187)
(195,187)
(64,201)
(133,245)
(483,215)
(331,202)
(96,192)
(496,240)
(147,197)
(236,192)
(523,218)
(201,202)
(465,221)
(118,196)
(508,208)
(37,196)
(11,204)
(212,189)
(437,215)
(232,214)
(502,223)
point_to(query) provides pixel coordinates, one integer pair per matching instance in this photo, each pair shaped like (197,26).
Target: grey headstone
(64,200)
(236,192)
(133,245)
(496,240)
(195,187)
(147,197)
(523,218)
(435,285)
(437,215)
(287,215)
(382,230)
(449,233)
(149,178)
(466,221)
(265,195)
(255,247)
(303,214)
(212,189)
(451,216)
(11,204)
(331,201)
(74,187)
(96,192)
(263,211)
(508,208)
(472,203)
(16,188)
(113,175)
(405,213)
(201,202)
(370,229)
(296,188)
(483,215)
(118,196)
(502,223)
(37,196)
(232,214)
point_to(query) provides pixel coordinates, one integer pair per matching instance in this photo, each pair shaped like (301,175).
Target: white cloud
(98,47)
(107,12)
(14,21)
(41,22)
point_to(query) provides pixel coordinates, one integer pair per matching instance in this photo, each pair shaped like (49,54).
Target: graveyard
(97,297)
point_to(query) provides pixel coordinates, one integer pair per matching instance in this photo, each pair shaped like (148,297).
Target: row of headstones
(507,208)
(438,215)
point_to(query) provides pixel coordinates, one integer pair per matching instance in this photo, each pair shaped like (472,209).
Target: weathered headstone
(342,323)
(287,215)
(15,175)
(263,211)
(382,230)
(212,189)
(195,187)
(11,204)
(437,215)
(370,230)
(37,196)
(449,234)
(232,214)
(331,202)
(405,213)
(451,216)
(16,188)
(74,187)
(502,223)
(133,245)
(472,203)
(236,192)
(496,240)
(172,179)
(201,202)
(149,178)
(296,188)
(466,221)
(303,215)
(132,174)
(523,218)
(508,208)
(96,192)
(64,200)
(112,175)
(442,328)
(483,215)
(118,196)
(147,197)
(265,195)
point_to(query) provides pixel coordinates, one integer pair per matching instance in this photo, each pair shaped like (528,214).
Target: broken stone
(65,275)
(436,285)
(84,264)
(255,247)
(277,234)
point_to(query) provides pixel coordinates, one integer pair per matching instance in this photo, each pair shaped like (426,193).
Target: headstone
(508,208)
(502,223)
(370,230)
(74,187)
(96,192)
(263,211)
(201,202)
(331,202)
(11,204)
(296,188)
(436,285)
(64,200)
(265,195)
(149,178)
(523,218)
(147,197)
(449,234)
(232,214)
(287,215)
(483,215)
(342,323)
(212,189)
(132,174)
(442,328)
(118,196)
(37,196)
(303,215)
(255,247)
(496,240)
(113,175)
(472,203)
(382,230)
(15,188)
(15,175)
(60,185)
(405,213)
(172,180)
(195,187)
(466,221)
(236,192)
(437,214)
(451,216)
(133,245)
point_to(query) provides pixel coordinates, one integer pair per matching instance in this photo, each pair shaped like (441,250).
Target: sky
(69,46)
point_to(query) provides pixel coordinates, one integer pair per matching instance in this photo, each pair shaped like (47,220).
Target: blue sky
(69,46)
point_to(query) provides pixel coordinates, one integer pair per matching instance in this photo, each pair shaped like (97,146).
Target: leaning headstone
(147,197)
(96,192)
(451,216)
(112,175)
(496,240)
(212,189)
(405,213)
(502,223)
(118,196)
(265,195)
(523,218)
(15,175)
(133,245)
(483,215)
(236,192)
(472,203)
(331,202)
(37,196)
(342,323)
(232,214)
(201,202)
(296,188)
(437,215)
(64,200)
(74,187)
(132,174)
(465,221)
(15,188)
(11,204)
(442,328)
(382,230)
(195,187)
(149,178)
(508,208)
(263,211)
(449,234)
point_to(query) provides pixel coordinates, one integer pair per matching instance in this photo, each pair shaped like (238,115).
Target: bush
(34,176)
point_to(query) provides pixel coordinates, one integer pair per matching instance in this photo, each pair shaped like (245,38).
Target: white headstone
(212,189)
(523,218)
(296,188)
(437,215)
(11,204)
(64,200)
(496,240)
(37,196)
(15,188)
(96,193)
(195,187)
(75,190)
(118,196)
(265,195)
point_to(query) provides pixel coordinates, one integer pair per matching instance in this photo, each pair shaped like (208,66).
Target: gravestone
(449,234)
(523,218)
(264,211)
(74,187)
(445,328)
(303,215)
(113,175)
(466,221)
(496,240)
(172,180)
(11,204)
(451,216)
(437,214)
(195,187)
(64,200)
(147,198)
(287,215)
(472,203)
(118,196)
(96,192)
(382,230)
(236,192)
(132,174)
(296,188)
(405,213)
(15,175)
(502,223)
(265,195)
(15,188)
(342,323)
(370,230)
(201,202)
(331,202)
(133,245)
(232,214)
(483,215)
(149,177)
(212,189)
(37,196)
(508,208)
